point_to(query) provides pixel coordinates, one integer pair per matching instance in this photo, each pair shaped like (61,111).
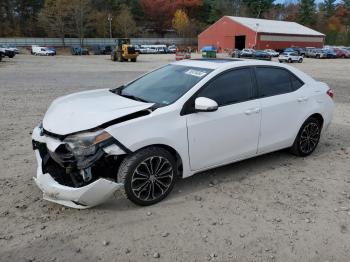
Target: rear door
(283,105)
(231,132)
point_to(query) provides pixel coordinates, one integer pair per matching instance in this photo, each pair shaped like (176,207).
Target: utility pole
(256,35)
(110,25)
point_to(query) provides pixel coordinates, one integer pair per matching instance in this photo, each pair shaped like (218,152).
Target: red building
(232,32)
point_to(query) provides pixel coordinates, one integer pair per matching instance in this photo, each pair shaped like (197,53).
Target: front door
(230,133)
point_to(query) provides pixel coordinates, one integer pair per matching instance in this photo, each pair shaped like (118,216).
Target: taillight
(330,92)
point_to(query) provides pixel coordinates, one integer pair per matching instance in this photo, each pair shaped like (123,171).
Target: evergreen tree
(258,8)
(307,12)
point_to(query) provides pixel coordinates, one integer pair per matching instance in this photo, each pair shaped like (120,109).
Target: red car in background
(341,53)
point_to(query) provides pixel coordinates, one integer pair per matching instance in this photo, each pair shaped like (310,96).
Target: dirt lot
(275,207)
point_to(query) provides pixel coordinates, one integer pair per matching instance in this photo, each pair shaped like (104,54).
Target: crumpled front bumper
(87,196)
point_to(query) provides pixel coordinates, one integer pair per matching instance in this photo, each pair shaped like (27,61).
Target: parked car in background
(341,53)
(272,52)
(42,51)
(308,50)
(172,49)
(2,54)
(317,53)
(161,50)
(78,50)
(300,50)
(181,119)
(11,48)
(262,55)
(329,53)
(8,52)
(102,49)
(246,52)
(52,49)
(290,57)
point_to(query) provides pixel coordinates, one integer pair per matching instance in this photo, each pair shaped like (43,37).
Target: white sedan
(178,120)
(290,57)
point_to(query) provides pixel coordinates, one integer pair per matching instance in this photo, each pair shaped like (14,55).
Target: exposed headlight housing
(87,143)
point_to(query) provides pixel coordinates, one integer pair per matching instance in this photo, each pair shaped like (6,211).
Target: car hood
(87,110)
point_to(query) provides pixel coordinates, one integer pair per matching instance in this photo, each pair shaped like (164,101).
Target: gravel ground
(275,207)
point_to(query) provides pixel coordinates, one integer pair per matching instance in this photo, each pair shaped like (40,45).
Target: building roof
(275,26)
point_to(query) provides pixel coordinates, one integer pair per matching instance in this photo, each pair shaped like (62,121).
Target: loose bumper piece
(83,197)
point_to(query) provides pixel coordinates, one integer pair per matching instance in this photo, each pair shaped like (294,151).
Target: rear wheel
(133,59)
(148,175)
(290,60)
(307,138)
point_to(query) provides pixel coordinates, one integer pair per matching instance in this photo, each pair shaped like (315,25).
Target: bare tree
(125,23)
(81,17)
(55,18)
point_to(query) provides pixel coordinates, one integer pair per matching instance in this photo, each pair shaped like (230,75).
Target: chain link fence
(59,42)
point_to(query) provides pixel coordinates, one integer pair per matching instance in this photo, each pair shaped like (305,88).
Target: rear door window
(273,81)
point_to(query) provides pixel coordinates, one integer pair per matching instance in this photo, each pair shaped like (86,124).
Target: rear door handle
(302,99)
(252,111)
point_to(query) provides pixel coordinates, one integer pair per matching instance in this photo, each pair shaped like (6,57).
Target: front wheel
(300,60)
(148,175)
(290,60)
(307,138)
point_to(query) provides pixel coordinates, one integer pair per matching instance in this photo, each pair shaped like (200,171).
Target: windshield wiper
(133,97)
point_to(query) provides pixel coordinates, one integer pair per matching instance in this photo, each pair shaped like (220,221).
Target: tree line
(142,18)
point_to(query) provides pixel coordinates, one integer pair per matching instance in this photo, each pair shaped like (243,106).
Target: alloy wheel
(152,178)
(309,138)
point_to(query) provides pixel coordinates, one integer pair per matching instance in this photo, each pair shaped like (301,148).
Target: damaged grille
(64,167)
(64,157)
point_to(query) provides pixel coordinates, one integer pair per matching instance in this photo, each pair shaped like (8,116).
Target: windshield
(165,85)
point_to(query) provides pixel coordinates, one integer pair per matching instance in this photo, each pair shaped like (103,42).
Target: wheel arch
(173,152)
(318,116)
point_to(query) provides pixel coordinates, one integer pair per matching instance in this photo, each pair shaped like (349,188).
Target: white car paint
(39,50)
(202,140)
(290,57)
(86,110)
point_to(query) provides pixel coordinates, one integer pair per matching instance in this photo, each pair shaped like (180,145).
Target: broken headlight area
(80,159)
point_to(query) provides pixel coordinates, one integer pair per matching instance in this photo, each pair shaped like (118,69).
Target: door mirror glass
(203,104)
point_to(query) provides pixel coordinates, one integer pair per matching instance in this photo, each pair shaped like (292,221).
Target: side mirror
(203,104)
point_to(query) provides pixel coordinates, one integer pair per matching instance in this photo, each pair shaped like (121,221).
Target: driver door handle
(252,111)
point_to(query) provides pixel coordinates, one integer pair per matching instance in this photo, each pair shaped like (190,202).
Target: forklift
(124,51)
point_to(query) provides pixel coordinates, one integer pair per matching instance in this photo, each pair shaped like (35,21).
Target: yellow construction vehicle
(124,51)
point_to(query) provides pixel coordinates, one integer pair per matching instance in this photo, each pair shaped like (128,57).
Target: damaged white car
(176,121)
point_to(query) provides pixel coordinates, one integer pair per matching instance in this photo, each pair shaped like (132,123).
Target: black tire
(120,57)
(290,60)
(308,137)
(143,186)
(113,57)
(133,59)
(300,60)
(318,56)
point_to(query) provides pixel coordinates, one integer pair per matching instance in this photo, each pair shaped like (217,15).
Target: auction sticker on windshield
(195,73)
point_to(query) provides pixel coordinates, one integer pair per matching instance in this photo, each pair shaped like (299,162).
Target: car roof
(222,62)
